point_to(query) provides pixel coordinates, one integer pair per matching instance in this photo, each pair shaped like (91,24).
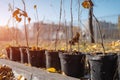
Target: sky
(48,10)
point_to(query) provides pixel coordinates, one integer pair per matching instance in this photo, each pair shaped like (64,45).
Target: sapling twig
(26,34)
(66,31)
(102,40)
(59,25)
(89,5)
(38,30)
(78,19)
(17,15)
(11,9)
(71,25)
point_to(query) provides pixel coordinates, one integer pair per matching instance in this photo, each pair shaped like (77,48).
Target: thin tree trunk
(66,31)
(59,25)
(14,35)
(78,20)
(91,25)
(38,30)
(26,34)
(102,40)
(71,24)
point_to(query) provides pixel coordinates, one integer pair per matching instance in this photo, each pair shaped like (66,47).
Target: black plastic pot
(13,54)
(25,56)
(8,52)
(53,60)
(119,66)
(103,67)
(88,57)
(37,58)
(73,64)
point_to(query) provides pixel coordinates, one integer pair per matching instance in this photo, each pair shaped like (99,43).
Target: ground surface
(32,73)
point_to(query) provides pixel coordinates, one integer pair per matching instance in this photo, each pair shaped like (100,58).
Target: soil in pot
(103,67)
(73,64)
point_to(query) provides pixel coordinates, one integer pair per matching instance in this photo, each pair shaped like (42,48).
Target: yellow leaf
(51,70)
(95,46)
(117,49)
(62,48)
(19,77)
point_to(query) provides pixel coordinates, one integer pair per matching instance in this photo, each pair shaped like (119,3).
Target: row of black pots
(71,65)
(25,55)
(13,53)
(102,67)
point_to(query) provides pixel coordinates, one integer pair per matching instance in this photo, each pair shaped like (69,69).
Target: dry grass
(113,46)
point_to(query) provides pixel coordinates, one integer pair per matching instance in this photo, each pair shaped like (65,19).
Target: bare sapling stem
(102,40)
(59,25)
(26,33)
(71,25)
(66,31)
(78,21)
(38,30)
